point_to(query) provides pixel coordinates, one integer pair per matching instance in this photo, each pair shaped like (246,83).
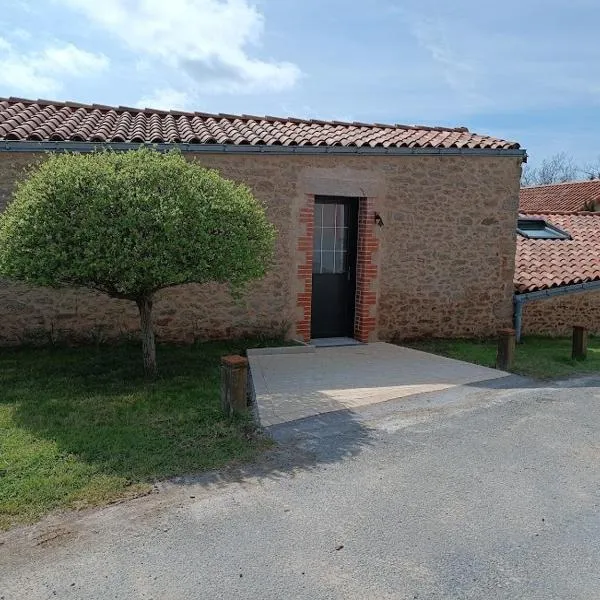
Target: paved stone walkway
(304,381)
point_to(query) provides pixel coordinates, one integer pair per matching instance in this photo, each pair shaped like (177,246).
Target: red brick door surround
(365,324)
(365,320)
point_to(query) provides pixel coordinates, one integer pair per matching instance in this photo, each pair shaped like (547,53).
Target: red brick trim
(304,247)
(365,323)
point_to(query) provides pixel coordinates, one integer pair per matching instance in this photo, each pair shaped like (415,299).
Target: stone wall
(441,265)
(556,316)
(448,248)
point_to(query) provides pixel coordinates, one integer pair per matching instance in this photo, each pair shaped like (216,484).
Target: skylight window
(539,229)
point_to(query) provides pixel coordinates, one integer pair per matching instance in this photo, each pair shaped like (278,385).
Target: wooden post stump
(234,382)
(506,349)
(580,340)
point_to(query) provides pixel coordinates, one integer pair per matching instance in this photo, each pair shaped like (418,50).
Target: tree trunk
(148,345)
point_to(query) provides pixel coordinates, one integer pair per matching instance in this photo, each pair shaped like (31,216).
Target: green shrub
(130,224)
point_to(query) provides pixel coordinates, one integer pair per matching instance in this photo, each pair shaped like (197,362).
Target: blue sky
(525,71)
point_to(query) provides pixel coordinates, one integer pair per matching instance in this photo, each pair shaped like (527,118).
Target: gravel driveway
(470,493)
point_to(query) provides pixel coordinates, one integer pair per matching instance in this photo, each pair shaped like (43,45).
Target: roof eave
(59,146)
(561,290)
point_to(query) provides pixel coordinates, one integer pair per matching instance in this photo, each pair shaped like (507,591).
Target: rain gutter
(521,299)
(58,146)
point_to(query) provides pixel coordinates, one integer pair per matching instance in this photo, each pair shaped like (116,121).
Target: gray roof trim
(27,146)
(572,288)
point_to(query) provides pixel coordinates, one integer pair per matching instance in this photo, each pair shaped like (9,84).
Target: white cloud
(480,60)
(72,61)
(42,72)
(21,34)
(205,43)
(459,72)
(165,99)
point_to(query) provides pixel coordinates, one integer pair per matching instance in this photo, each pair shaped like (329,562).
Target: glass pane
(543,234)
(316,268)
(552,234)
(327,262)
(340,262)
(318,215)
(328,238)
(341,237)
(330,242)
(529,224)
(329,215)
(340,215)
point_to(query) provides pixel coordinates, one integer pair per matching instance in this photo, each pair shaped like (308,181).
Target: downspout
(518,316)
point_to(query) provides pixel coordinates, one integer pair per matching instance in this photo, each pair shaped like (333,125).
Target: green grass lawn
(81,427)
(540,357)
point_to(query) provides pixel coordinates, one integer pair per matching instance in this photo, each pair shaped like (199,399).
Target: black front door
(334,267)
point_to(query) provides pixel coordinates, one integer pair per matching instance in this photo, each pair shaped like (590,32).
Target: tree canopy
(132,223)
(559,168)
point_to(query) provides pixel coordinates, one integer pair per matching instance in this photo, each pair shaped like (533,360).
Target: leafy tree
(130,224)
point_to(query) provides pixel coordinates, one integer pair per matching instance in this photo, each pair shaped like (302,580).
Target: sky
(526,71)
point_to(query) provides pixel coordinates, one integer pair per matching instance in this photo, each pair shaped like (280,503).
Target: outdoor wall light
(378,220)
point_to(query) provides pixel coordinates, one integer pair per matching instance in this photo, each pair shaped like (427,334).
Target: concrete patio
(299,382)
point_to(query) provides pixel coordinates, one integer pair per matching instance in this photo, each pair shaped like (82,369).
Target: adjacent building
(572,196)
(557,273)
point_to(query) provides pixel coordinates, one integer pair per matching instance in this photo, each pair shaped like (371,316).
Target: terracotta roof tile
(543,264)
(44,120)
(569,196)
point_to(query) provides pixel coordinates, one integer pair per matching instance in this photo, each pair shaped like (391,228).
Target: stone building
(557,275)
(384,231)
(570,196)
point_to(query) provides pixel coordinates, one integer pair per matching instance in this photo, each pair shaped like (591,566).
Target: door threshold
(332,342)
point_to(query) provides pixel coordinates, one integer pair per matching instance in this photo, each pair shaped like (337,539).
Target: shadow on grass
(83,427)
